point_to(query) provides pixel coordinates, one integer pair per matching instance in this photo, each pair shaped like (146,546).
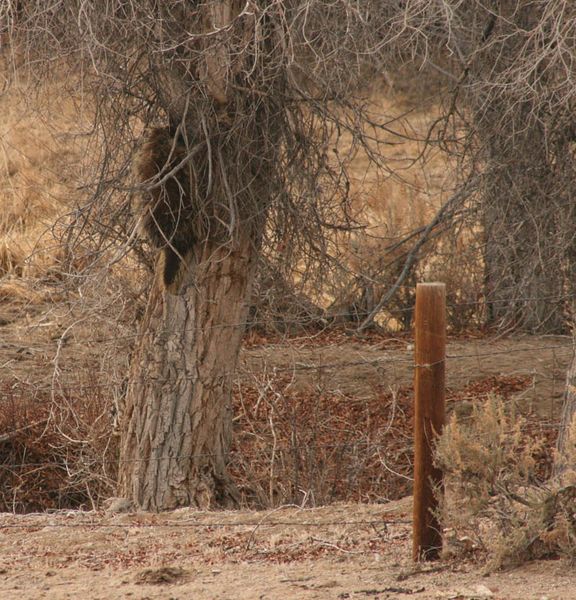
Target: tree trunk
(523,265)
(568,413)
(177,424)
(527,214)
(523,217)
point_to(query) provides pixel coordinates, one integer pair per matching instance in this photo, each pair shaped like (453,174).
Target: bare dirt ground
(338,552)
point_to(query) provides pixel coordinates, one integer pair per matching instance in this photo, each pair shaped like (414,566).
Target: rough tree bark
(524,204)
(177,427)
(523,265)
(568,413)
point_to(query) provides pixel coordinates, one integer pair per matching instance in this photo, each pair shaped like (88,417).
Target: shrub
(494,496)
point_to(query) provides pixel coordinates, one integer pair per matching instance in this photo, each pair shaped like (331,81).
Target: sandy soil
(338,552)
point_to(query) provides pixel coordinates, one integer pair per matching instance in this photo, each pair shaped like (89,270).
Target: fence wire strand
(238,374)
(325,320)
(198,525)
(83,463)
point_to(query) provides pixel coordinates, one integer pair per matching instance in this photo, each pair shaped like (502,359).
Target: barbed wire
(239,374)
(324,319)
(287,369)
(346,446)
(241,452)
(196,524)
(233,452)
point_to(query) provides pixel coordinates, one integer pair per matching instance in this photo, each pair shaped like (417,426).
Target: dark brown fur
(167,211)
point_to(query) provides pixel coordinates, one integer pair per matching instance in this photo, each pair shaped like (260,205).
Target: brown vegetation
(497,496)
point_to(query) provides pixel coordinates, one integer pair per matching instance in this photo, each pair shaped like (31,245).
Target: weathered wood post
(429,411)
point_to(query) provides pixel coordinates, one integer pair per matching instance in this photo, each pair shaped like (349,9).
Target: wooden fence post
(429,412)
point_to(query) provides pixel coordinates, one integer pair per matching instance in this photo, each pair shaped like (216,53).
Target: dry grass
(498,499)
(44,163)
(40,171)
